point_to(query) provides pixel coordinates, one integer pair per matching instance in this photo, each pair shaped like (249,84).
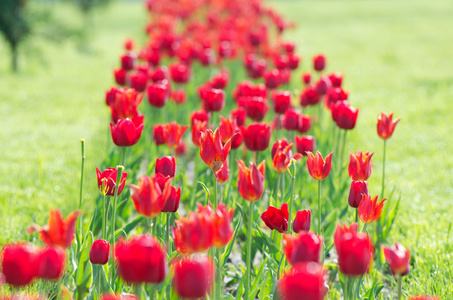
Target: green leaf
(257,280)
(227,252)
(270,244)
(84,273)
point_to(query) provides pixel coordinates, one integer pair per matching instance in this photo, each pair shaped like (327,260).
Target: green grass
(395,57)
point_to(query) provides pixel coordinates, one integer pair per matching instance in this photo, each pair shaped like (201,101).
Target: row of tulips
(220,249)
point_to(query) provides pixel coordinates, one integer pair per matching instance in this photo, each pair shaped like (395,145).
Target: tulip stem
(357,215)
(123,155)
(276,188)
(195,175)
(319,207)
(81,191)
(400,284)
(167,242)
(99,281)
(117,188)
(346,288)
(291,201)
(219,276)
(383,169)
(249,252)
(104,213)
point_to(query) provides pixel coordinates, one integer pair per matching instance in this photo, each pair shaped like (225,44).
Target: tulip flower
(280,61)
(141,260)
(386,126)
(107,181)
(165,166)
(272,78)
(200,115)
(319,62)
(344,115)
(139,81)
(309,96)
(149,198)
(424,298)
(51,263)
(336,78)
(302,221)
(124,103)
(158,93)
(275,218)
(281,101)
(256,107)
(355,250)
(193,234)
(221,223)
(323,85)
(223,174)
(111,94)
(256,136)
(181,150)
(369,209)
(99,252)
(178,96)
(360,165)
(193,277)
(229,130)
(179,72)
(306,246)
(18,264)
(128,61)
(334,96)
(304,280)
(119,297)
(198,128)
(220,80)
(304,144)
(58,231)
(159,74)
(239,115)
(398,258)
(317,167)
(173,133)
(158,134)
(120,76)
(306,78)
(212,152)
(356,192)
(127,132)
(292,119)
(282,158)
(172,203)
(293,61)
(213,100)
(251,180)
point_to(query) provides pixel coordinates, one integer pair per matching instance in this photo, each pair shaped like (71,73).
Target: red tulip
(18,264)
(251,180)
(336,78)
(213,100)
(127,132)
(178,96)
(206,57)
(344,115)
(128,61)
(149,198)
(141,260)
(212,152)
(398,258)
(323,85)
(256,136)
(139,81)
(335,95)
(198,128)
(223,174)
(165,166)
(107,180)
(304,144)
(292,119)
(158,93)
(302,221)
(275,218)
(424,298)
(369,209)
(309,96)
(159,74)
(317,167)
(124,104)
(181,150)
(51,263)
(221,223)
(220,80)
(281,61)
(99,252)
(319,62)
(281,101)
(229,130)
(306,78)
(304,124)
(129,44)
(200,115)
(193,234)
(272,78)
(193,277)
(282,157)
(385,125)
(356,192)
(256,107)
(293,61)
(172,203)
(111,94)
(158,134)
(239,115)
(355,250)
(306,246)
(360,165)
(119,297)
(120,76)
(173,133)
(57,231)
(305,281)
(179,72)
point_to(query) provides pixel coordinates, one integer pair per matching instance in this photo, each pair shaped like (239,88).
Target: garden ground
(395,56)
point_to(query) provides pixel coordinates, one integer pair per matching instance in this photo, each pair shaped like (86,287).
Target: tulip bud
(281,101)
(99,252)
(18,264)
(275,218)
(319,62)
(304,144)
(165,166)
(302,221)
(128,61)
(193,277)
(358,189)
(158,93)
(306,246)
(158,134)
(51,263)
(398,258)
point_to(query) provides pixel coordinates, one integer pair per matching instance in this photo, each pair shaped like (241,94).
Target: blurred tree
(14,26)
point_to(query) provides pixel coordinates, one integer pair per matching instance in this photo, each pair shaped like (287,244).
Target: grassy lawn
(396,56)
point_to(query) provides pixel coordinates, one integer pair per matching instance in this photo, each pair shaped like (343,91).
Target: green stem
(152,287)
(291,201)
(346,288)
(194,184)
(400,285)
(104,214)
(117,185)
(99,281)
(249,252)
(123,155)
(138,291)
(215,192)
(343,146)
(81,190)
(357,215)
(219,288)
(319,207)
(167,242)
(383,170)
(276,188)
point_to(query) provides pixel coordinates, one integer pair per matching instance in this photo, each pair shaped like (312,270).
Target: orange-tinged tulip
(317,167)
(283,156)
(212,152)
(173,133)
(193,234)
(221,223)
(58,231)
(386,126)
(360,166)
(369,209)
(198,128)
(398,258)
(223,174)
(148,197)
(251,180)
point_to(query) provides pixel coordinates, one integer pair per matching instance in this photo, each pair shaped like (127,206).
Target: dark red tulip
(323,85)
(51,263)
(19,264)
(293,61)
(272,78)
(335,95)
(306,246)
(292,119)
(248,89)
(355,250)
(336,78)
(129,44)
(319,62)
(107,181)
(120,76)
(213,100)
(386,126)
(165,166)
(304,280)
(141,260)
(360,165)
(344,115)
(304,144)
(127,132)
(158,93)
(99,252)
(309,96)
(179,72)
(306,78)
(159,74)
(302,221)
(256,136)
(356,192)
(194,277)
(398,258)
(288,47)
(304,124)
(251,180)
(158,134)
(139,81)
(281,101)
(281,61)
(239,115)
(128,61)
(275,218)
(317,167)
(256,107)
